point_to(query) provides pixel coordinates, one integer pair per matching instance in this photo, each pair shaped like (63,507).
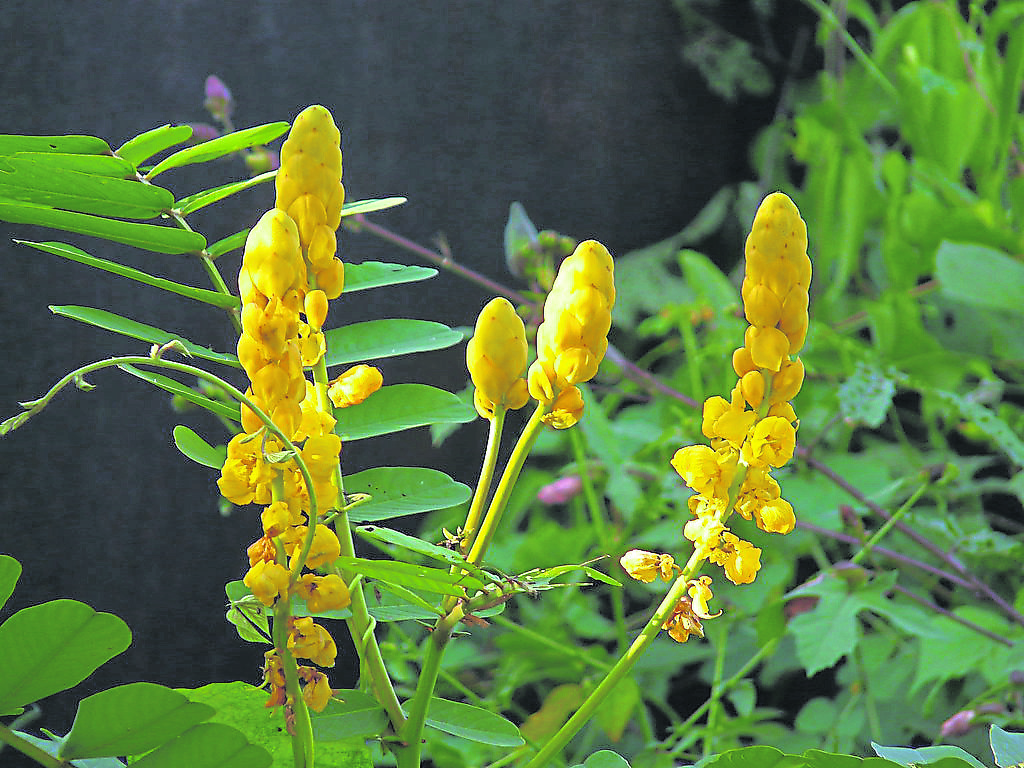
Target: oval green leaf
(10,571)
(473,723)
(149,237)
(209,745)
(46,183)
(94,165)
(397,491)
(979,275)
(374,339)
(153,142)
(420,547)
(192,203)
(217,299)
(74,145)
(129,720)
(194,447)
(241,705)
(223,145)
(1007,747)
(398,407)
(50,647)
(127,327)
(350,714)
(376,274)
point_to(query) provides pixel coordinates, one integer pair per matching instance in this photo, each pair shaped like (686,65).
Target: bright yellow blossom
(646,566)
(267,581)
(355,385)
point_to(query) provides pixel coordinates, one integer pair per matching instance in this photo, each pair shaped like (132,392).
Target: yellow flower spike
(354,385)
(311,165)
(496,357)
(267,581)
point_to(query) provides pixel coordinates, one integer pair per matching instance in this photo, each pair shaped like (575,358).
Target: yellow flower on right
(754,431)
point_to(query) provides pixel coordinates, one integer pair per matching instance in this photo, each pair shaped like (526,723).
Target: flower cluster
(573,337)
(289,272)
(754,432)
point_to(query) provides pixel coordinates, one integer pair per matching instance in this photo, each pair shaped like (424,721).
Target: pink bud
(202,132)
(218,97)
(958,724)
(560,491)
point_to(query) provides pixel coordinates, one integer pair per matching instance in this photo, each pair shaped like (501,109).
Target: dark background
(584,112)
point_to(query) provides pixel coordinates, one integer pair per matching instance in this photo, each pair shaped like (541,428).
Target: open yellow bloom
(323,593)
(308,640)
(646,566)
(267,581)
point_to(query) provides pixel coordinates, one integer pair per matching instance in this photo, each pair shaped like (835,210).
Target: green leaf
(374,339)
(437,580)
(866,396)
(10,571)
(209,745)
(153,142)
(46,183)
(398,491)
(149,237)
(192,203)
(829,631)
(421,547)
(909,756)
(472,723)
(194,447)
(749,757)
(350,714)
(168,384)
(223,145)
(390,603)
(1007,747)
(241,705)
(368,206)
(398,407)
(71,145)
(227,244)
(979,275)
(377,274)
(605,758)
(50,647)
(217,299)
(127,327)
(129,720)
(560,570)
(93,165)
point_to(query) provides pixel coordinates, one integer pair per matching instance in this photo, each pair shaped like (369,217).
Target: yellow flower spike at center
(496,357)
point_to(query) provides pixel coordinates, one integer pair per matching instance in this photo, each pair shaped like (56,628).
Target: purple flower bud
(202,132)
(958,724)
(560,491)
(218,97)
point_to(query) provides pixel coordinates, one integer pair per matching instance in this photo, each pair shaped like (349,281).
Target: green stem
(483,485)
(411,736)
(505,485)
(621,668)
(216,279)
(302,736)
(741,674)
(888,525)
(27,748)
(714,700)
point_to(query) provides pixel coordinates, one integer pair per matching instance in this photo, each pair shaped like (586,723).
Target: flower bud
(496,356)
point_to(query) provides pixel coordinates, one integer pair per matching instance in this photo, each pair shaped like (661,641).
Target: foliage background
(588,115)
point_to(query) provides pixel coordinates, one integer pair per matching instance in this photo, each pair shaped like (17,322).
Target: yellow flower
(726,420)
(706,471)
(776,516)
(700,594)
(308,640)
(323,593)
(355,385)
(496,357)
(566,410)
(646,566)
(279,516)
(317,690)
(771,443)
(325,548)
(267,581)
(704,531)
(741,559)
